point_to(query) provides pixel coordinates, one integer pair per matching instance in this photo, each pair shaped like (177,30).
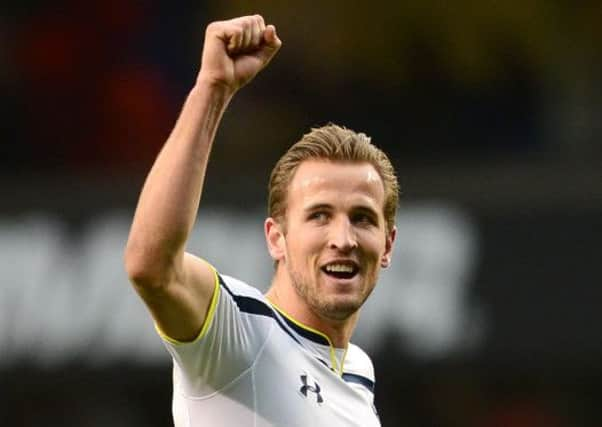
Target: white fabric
(253,368)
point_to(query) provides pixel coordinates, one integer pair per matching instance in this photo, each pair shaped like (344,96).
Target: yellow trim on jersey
(338,367)
(208,319)
(343,359)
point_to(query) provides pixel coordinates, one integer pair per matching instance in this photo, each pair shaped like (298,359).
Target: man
(281,359)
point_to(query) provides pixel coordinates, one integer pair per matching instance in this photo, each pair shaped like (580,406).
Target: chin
(340,308)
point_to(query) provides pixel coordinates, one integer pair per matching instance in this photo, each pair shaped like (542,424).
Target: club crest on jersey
(310,386)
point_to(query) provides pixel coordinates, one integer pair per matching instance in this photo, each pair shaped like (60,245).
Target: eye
(363,219)
(318,216)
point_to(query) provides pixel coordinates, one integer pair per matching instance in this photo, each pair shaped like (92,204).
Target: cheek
(304,244)
(374,244)
(311,239)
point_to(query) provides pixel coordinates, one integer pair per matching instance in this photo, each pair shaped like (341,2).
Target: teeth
(339,268)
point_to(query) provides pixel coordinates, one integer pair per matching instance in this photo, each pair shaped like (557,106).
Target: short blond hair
(338,144)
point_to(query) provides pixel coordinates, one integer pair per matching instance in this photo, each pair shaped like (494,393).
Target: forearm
(170,198)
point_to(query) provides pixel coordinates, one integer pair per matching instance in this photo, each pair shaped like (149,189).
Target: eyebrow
(326,206)
(365,209)
(318,206)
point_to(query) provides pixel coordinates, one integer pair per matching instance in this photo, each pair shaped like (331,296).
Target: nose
(342,236)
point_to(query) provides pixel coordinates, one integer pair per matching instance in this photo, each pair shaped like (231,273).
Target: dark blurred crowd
(98,84)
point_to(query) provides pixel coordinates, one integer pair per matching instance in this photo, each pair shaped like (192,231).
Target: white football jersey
(253,365)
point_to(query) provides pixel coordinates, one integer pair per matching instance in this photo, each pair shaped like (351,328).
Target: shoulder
(358,362)
(237,287)
(245,297)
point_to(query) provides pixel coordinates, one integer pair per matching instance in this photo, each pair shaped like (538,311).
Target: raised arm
(176,286)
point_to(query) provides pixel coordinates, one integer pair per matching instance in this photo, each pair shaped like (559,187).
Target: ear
(386,258)
(274,236)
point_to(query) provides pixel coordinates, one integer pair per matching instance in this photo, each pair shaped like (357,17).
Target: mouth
(341,270)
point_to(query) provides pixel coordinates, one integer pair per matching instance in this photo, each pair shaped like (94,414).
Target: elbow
(144,270)
(138,273)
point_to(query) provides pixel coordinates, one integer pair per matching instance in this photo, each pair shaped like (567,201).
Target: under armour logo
(313,388)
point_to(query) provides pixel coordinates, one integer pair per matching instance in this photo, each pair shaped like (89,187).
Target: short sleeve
(359,372)
(228,343)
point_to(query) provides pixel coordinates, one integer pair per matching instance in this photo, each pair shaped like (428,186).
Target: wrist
(207,84)
(216,95)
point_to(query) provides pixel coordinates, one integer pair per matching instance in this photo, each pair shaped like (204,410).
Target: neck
(283,295)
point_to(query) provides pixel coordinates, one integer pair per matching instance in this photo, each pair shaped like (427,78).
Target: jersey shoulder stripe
(251,305)
(310,335)
(359,379)
(247,304)
(358,370)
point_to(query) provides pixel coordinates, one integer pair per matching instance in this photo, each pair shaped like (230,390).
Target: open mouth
(341,269)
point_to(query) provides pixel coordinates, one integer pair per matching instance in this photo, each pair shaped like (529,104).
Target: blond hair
(333,143)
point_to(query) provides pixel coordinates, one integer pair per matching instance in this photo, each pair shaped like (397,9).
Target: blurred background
(489,110)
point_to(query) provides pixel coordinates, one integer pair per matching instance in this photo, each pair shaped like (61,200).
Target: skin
(334,213)
(176,286)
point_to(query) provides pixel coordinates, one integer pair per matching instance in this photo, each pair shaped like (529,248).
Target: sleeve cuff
(208,318)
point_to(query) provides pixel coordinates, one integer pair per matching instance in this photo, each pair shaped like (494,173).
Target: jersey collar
(318,341)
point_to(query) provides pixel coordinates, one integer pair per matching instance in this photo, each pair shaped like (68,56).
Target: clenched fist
(236,50)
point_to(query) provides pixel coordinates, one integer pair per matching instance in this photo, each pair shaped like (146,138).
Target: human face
(335,240)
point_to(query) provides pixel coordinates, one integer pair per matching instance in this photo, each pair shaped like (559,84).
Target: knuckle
(211,28)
